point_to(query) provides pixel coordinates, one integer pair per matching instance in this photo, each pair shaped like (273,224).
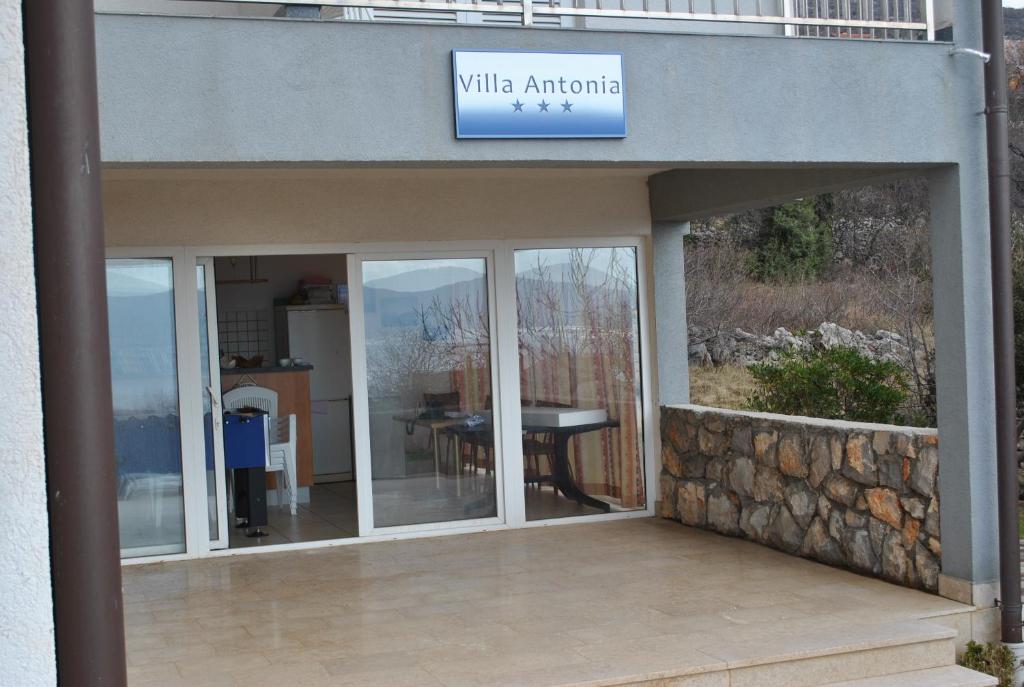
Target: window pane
(147,433)
(579,357)
(428,366)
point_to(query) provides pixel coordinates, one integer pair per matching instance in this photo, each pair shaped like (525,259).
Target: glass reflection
(579,357)
(147,433)
(429,380)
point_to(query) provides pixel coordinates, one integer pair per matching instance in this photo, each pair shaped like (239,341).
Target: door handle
(214,404)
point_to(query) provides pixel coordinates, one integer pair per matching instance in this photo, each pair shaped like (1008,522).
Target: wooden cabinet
(292,387)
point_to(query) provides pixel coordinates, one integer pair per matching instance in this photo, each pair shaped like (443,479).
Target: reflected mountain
(425,279)
(401,301)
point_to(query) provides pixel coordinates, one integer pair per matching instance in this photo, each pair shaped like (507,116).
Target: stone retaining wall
(854,495)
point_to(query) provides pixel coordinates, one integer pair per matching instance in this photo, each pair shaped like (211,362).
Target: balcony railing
(849,19)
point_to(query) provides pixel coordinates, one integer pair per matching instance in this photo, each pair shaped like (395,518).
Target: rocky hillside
(713,347)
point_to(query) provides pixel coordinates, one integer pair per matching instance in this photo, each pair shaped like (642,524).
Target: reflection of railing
(870,19)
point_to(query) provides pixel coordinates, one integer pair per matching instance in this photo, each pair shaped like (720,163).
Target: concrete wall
(195,207)
(179,89)
(26,630)
(189,7)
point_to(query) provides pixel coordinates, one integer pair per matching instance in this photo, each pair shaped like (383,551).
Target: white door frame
(213,351)
(190,410)
(650,441)
(505,377)
(360,392)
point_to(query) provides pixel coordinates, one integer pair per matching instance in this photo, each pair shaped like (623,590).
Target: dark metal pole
(996,116)
(60,65)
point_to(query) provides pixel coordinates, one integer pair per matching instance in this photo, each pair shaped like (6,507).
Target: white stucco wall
(26,612)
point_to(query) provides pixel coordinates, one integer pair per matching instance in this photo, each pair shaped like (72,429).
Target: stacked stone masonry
(853,495)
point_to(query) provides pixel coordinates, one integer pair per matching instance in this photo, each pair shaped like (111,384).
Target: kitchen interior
(283,326)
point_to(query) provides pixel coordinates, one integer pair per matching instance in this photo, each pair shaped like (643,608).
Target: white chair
(281,458)
(252,397)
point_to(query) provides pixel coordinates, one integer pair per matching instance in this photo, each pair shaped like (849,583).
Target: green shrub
(992,659)
(794,242)
(838,383)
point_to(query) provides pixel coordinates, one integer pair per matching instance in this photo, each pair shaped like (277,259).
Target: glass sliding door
(426,337)
(147,426)
(580,378)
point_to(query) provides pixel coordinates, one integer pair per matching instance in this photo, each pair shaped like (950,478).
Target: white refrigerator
(319,335)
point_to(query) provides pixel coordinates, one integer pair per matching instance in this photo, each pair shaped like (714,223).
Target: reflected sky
(140,311)
(601,263)
(138,277)
(420,275)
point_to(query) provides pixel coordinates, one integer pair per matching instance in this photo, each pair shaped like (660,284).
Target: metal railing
(850,19)
(874,19)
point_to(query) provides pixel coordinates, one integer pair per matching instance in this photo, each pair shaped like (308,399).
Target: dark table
(561,475)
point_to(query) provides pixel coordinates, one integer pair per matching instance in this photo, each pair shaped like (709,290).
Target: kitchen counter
(305,367)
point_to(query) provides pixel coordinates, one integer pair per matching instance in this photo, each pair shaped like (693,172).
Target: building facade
(493,322)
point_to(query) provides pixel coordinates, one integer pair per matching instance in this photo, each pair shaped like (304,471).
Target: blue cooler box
(245,440)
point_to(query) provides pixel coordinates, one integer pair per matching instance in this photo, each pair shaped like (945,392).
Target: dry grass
(720,296)
(851,302)
(728,386)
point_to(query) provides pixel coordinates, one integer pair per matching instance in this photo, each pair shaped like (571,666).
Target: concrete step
(921,652)
(947,676)
(831,655)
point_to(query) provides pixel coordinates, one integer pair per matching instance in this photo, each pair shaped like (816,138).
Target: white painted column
(961,273)
(670,312)
(27,653)
(964,380)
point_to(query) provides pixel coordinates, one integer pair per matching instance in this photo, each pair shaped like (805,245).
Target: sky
(1013,3)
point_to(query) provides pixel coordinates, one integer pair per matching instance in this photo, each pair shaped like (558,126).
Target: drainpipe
(60,68)
(996,116)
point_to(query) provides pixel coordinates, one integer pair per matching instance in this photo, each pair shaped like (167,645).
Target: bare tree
(904,290)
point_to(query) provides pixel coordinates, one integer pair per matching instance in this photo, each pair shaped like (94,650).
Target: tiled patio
(595,604)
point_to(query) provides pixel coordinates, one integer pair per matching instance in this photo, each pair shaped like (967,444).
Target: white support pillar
(670,312)
(964,379)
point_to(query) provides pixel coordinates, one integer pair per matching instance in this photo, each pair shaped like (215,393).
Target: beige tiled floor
(331,513)
(539,606)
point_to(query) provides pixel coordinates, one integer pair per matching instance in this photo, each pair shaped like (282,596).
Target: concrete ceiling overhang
(682,195)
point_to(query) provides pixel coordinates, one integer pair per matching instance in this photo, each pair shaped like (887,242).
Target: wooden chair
(477,441)
(436,407)
(537,445)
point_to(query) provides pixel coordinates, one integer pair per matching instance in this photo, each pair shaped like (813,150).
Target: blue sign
(538,94)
